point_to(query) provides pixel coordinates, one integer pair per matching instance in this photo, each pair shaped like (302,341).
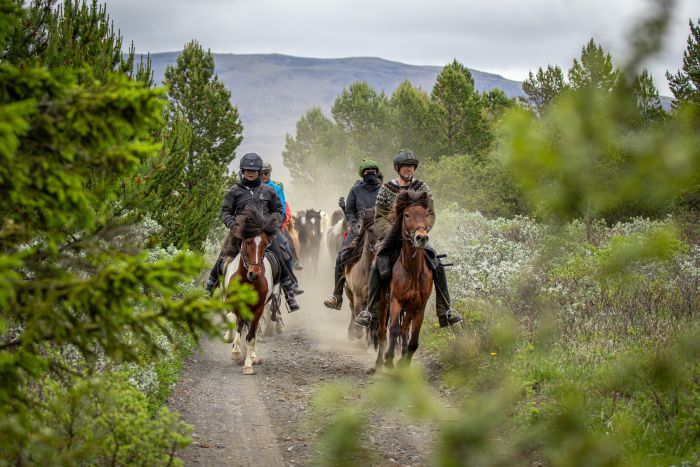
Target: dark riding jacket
(362,196)
(242,195)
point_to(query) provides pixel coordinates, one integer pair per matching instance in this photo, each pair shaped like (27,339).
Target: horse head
(313,222)
(411,209)
(254,231)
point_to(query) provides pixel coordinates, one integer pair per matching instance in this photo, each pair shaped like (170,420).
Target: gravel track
(262,420)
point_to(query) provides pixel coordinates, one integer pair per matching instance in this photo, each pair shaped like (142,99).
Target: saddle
(274,265)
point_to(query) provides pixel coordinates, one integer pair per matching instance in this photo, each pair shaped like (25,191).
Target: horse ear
(424,195)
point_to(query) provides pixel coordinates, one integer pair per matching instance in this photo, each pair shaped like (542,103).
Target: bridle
(244,256)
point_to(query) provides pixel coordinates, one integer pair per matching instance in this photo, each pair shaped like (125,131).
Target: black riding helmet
(251,161)
(404,157)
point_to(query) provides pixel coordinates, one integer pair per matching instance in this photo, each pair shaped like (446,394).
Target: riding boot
(370,316)
(213,281)
(286,273)
(335,301)
(288,289)
(446,317)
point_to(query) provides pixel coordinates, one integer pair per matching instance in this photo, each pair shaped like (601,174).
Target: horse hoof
(248,370)
(236,356)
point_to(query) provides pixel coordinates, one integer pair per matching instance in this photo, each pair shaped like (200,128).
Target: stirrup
(292,304)
(449,319)
(364,319)
(334,302)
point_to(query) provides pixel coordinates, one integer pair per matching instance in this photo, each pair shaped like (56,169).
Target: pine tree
(196,92)
(544,86)
(685,84)
(411,119)
(595,70)
(363,115)
(73,34)
(456,113)
(648,101)
(73,282)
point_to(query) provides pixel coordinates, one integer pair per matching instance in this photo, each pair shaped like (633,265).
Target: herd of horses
(402,308)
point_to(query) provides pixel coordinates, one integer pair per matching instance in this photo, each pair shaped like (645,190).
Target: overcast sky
(508,37)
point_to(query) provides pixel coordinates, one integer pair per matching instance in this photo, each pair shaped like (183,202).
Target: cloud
(506,36)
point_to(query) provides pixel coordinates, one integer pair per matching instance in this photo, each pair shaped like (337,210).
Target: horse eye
(405,215)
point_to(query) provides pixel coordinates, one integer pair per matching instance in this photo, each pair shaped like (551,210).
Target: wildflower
(493,354)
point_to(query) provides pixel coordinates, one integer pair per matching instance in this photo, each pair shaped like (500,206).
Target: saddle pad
(275,265)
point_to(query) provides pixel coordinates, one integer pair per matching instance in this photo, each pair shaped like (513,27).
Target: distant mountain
(272,91)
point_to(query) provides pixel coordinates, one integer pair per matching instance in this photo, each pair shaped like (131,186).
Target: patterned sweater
(386,198)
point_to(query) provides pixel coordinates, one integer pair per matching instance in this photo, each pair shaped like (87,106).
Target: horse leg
(353,313)
(394,330)
(251,358)
(405,326)
(415,333)
(228,337)
(236,350)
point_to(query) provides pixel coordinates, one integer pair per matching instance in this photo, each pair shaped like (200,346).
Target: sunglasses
(266,172)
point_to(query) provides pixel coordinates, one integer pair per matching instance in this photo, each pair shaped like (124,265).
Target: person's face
(265,176)
(250,175)
(406,171)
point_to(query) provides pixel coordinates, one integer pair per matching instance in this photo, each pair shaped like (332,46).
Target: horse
(293,235)
(411,279)
(335,235)
(250,266)
(357,265)
(310,236)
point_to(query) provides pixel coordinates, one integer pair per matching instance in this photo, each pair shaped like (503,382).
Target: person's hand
(341,203)
(355,228)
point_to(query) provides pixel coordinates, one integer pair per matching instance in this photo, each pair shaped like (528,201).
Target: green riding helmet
(405,157)
(368,164)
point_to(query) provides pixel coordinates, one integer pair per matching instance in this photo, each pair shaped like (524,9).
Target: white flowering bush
(603,288)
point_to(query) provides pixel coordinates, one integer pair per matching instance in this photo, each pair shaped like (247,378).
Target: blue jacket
(280,193)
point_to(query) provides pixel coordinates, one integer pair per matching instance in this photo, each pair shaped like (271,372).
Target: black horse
(309,228)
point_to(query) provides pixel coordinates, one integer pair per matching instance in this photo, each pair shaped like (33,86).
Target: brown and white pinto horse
(411,279)
(251,267)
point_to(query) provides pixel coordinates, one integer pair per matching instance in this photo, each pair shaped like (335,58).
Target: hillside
(272,91)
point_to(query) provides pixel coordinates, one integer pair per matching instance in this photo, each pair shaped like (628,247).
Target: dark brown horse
(309,229)
(250,267)
(411,279)
(357,263)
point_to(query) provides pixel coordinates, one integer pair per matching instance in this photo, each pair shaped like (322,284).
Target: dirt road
(262,420)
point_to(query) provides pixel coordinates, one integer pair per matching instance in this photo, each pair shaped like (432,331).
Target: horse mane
(404,200)
(356,246)
(251,222)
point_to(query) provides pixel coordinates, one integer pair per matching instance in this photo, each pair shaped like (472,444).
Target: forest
(571,217)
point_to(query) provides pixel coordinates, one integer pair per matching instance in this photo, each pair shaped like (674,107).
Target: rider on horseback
(363,195)
(405,164)
(283,238)
(251,190)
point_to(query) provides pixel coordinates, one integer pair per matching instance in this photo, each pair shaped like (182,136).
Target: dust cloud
(328,326)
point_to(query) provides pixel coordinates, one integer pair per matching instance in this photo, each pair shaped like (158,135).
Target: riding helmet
(404,157)
(267,167)
(368,164)
(251,161)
